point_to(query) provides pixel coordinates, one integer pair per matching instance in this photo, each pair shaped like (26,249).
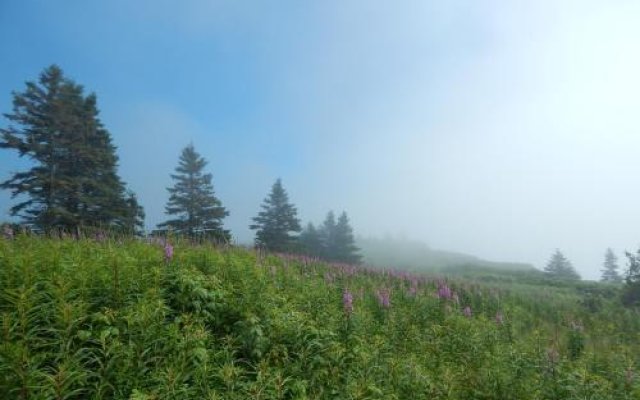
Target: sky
(500,129)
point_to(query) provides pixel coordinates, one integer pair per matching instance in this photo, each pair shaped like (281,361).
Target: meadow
(135,319)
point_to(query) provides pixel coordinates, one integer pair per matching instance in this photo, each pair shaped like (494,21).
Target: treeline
(73,183)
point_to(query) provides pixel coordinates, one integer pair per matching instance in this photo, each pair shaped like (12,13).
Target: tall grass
(84,319)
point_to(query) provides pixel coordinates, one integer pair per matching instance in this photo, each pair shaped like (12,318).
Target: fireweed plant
(105,318)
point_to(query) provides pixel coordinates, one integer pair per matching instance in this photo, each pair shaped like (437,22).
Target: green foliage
(82,319)
(199,212)
(73,180)
(559,267)
(277,221)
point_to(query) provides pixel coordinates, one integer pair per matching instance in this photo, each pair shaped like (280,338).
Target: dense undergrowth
(116,320)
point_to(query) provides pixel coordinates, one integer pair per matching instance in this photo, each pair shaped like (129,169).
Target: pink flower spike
(168,252)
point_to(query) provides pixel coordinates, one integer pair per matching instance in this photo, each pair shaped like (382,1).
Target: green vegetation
(127,319)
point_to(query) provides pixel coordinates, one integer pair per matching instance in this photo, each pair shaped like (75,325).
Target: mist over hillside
(409,254)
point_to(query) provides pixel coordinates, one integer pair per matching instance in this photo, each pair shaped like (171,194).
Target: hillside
(415,255)
(121,319)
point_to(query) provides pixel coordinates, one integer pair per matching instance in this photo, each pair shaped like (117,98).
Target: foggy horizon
(502,131)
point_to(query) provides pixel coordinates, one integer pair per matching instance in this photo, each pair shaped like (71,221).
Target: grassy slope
(114,320)
(415,255)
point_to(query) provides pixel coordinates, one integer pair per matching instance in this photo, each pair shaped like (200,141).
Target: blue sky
(503,129)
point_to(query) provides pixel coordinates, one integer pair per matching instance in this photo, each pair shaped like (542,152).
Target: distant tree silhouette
(337,240)
(560,267)
(310,241)
(345,249)
(328,237)
(277,223)
(610,270)
(631,292)
(198,212)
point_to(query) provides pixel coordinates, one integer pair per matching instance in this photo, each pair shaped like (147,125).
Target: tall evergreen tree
(610,270)
(337,241)
(73,181)
(328,237)
(310,241)
(631,292)
(277,223)
(560,267)
(345,244)
(192,200)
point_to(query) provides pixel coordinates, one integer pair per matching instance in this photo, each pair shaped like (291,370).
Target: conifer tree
(197,211)
(310,242)
(73,181)
(328,237)
(631,292)
(277,223)
(337,240)
(345,249)
(560,267)
(610,271)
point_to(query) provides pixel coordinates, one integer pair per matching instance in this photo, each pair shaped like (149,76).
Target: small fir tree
(610,270)
(192,201)
(560,267)
(277,223)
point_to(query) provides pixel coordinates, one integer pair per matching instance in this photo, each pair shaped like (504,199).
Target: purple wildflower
(444,292)
(168,252)
(328,277)
(7,232)
(552,355)
(467,312)
(384,298)
(347,302)
(100,237)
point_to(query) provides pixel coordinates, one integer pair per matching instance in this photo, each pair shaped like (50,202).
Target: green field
(116,320)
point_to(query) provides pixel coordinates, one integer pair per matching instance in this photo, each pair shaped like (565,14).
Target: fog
(499,129)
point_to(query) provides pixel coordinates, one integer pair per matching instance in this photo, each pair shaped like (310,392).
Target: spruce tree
(277,223)
(197,211)
(610,271)
(560,267)
(310,242)
(328,237)
(73,181)
(631,291)
(345,249)
(337,241)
